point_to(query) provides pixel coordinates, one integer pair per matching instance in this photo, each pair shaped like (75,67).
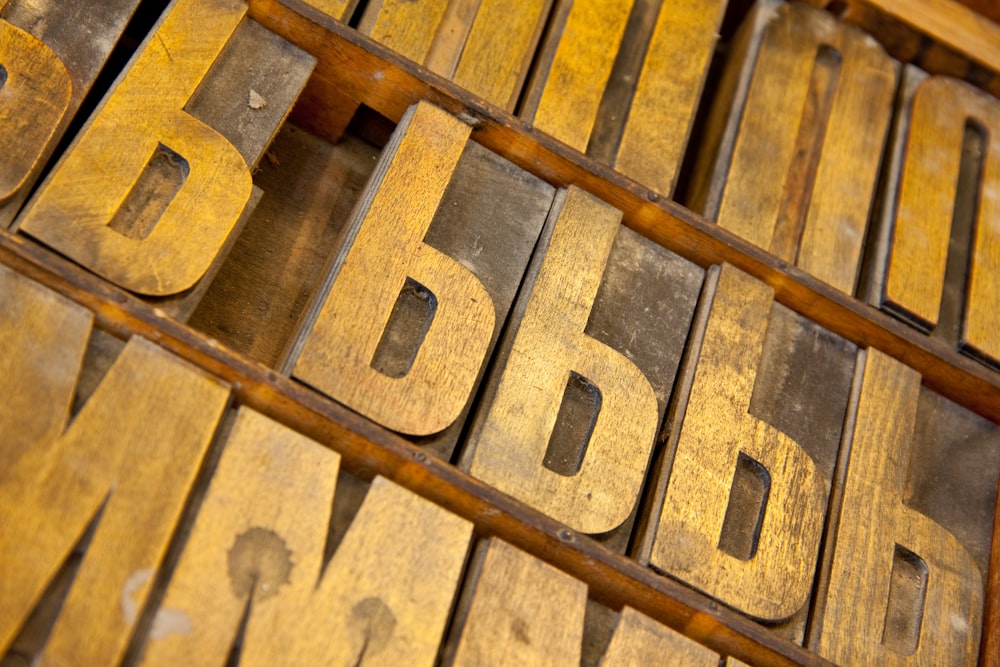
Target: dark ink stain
(259,563)
(520,629)
(374,621)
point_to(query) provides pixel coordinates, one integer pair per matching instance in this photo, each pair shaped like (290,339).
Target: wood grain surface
(639,640)
(385,597)
(52,53)
(256,548)
(521,611)
(619,408)
(744,506)
(816,97)
(901,588)
(106,463)
(568,83)
(428,393)
(73,211)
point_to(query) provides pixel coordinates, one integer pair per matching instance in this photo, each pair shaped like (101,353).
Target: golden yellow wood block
(385,597)
(143,121)
(388,228)
(509,444)
(639,640)
(523,611)
(135,449)
(256,547)
(815,97)
(902,589)
(565,95)
(768,572)
(666,96)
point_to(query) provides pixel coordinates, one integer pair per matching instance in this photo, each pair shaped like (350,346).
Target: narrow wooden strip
(565,92)
(989,651)
(355,66)
(666,97)
(501,43)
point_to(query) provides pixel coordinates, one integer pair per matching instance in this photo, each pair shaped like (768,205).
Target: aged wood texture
(489,220)
(51,53)
(568,420)
(73,211)
(105,463)
(758,553)
(655,132)
(245,96)
(520,610)
(337,9)
(940,248)
(815,96)
(42,335)
(801,387)
(256,548)
(428,392)
(258,300)
(352,65)
(385,597)
(366,448)
(901,588)
(639,640)
(574,66)
(458,39)
(34,98)
(940,36)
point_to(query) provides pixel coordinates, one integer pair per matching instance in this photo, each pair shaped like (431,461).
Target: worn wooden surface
(43,336)
(459,40)
(592,486)
(654,135)
(939,248)
(261,294)
(366,448)
(105,463)
(641,307)
(898,579)
(244,96)
(52,52)
(816,97)
(416,396)
(639,640)
(386,595)
(519,610)
(940,36)
(574,66)
(255,551)
(78,201)
(743,510)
